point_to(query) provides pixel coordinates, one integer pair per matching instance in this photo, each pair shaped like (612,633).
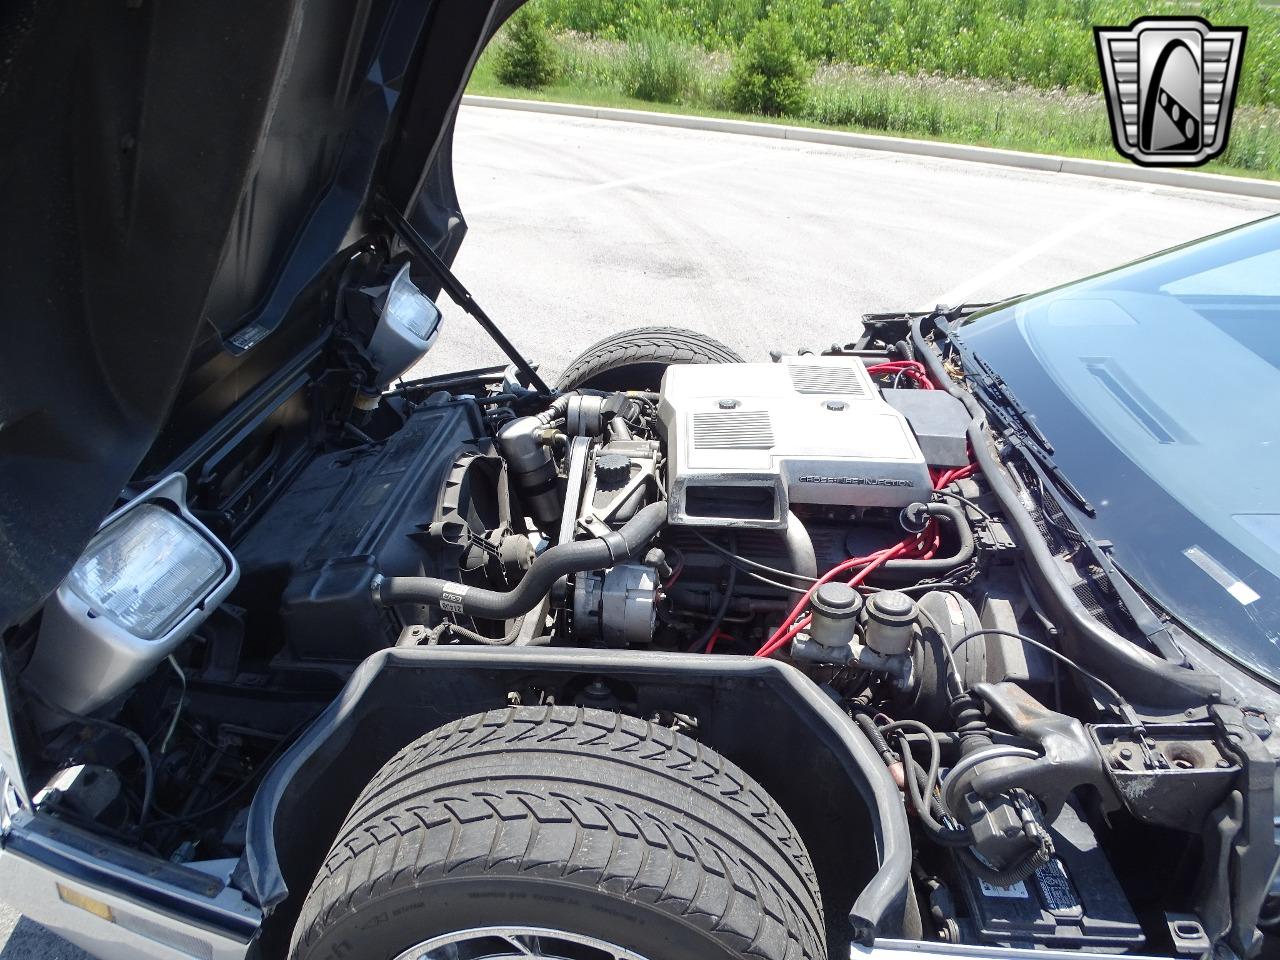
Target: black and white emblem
(1170,84)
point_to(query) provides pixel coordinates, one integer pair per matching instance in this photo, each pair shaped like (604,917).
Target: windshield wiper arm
(1020,427)
(999,393)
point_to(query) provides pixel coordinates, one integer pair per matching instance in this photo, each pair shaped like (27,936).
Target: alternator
(617,607)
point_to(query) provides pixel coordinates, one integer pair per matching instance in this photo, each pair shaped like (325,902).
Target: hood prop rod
(451,285)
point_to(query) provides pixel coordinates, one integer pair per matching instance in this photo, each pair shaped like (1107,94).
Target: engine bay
(825,510)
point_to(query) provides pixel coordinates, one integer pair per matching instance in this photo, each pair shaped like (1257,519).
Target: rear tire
(579,821)
(636,359)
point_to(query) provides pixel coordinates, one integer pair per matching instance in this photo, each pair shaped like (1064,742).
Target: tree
(526,56)
(768,74)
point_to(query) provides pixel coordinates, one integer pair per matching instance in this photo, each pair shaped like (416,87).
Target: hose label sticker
(1241,591)
(1017,892)
(451,598)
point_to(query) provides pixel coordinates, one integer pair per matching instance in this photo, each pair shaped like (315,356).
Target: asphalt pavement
(579,228)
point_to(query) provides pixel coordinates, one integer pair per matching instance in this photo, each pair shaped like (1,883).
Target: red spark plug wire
(924,544)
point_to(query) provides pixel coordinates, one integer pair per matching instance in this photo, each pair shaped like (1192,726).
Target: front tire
(605,831)
(636,359)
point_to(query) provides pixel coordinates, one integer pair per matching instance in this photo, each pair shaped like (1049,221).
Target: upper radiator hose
(561,560)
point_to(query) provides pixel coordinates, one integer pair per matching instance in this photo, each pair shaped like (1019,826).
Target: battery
(1074,900)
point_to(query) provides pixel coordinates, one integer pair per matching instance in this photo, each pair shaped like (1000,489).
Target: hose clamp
(616,544)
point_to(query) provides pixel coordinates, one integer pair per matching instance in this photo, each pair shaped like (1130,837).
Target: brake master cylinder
(890,619)
(835,608)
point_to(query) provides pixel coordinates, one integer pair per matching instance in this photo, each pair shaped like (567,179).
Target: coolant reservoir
(407,328)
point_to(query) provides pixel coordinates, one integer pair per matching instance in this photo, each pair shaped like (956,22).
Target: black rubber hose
(933,815)
(863,719)
(936,565)
(1146,678)
(560,561)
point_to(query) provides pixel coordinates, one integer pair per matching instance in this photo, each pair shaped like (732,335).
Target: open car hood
(178,180)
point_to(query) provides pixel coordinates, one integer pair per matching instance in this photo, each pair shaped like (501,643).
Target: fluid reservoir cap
(891,608)
(612,469)
(837,601)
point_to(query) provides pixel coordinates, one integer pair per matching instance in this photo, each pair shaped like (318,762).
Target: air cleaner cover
(746,441)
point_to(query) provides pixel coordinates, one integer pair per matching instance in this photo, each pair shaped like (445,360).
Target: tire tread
(430,814)
(664,345)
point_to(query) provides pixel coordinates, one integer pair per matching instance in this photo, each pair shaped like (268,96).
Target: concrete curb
(1105,169)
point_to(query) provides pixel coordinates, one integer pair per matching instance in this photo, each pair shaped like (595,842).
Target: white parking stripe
(958,294)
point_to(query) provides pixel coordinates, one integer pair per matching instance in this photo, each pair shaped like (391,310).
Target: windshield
(1158,385)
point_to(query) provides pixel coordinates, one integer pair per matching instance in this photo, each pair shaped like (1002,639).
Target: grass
(1041,43)
(652,72)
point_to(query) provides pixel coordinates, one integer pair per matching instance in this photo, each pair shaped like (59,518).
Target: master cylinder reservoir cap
(835,608)
(891,618)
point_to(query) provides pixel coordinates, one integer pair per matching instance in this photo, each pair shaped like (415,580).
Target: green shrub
(658,69)
(526,56)
(768,74)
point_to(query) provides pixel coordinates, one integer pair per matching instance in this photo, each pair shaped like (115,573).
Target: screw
(728,404)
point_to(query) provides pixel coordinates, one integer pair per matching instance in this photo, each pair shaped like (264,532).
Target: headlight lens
(409,308)
(146,571)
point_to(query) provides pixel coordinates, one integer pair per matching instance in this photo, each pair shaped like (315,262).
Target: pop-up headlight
(408,324)
(145,581)
(146,571)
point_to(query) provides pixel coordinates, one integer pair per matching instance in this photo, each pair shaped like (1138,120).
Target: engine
(690,518)
(759,476)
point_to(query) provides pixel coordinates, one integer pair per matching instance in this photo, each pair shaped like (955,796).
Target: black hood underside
(177,180)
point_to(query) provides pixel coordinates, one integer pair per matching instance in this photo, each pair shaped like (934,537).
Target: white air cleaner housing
(746,441)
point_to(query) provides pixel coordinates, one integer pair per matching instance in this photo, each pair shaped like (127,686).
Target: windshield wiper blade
(999,393)
(1020,427)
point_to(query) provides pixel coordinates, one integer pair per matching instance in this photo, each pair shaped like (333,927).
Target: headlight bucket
(148,578)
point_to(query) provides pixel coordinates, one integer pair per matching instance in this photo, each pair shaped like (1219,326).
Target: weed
(658,69)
